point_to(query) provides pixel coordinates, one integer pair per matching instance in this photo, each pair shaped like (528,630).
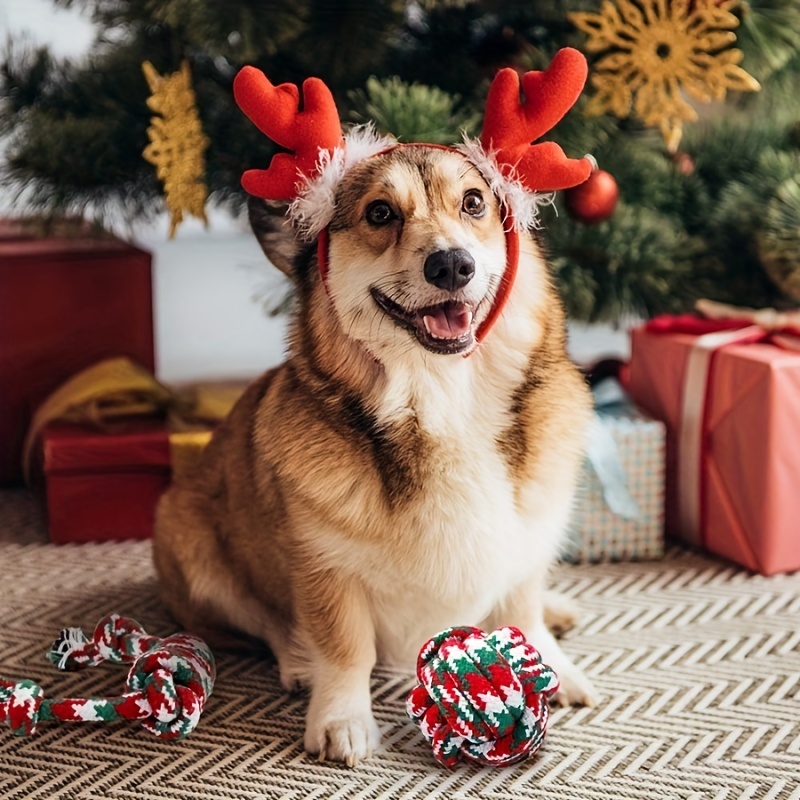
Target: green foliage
(412,112)
(778,240)
(640,265)
(719,219)
(770,35)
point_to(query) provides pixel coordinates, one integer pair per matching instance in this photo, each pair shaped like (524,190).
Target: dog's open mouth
(443,328)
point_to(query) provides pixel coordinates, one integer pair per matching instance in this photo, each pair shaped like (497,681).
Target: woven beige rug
(698,661)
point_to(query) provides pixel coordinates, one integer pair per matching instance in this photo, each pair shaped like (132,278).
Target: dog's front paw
(575,689)
(348,740)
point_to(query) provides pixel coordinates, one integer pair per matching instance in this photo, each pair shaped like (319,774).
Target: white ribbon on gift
(603,454)
(780,326)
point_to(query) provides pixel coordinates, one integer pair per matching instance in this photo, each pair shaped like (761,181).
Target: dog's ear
(274,233)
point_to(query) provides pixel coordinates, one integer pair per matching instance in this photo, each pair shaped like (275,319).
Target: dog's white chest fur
(462,544)
(462,550)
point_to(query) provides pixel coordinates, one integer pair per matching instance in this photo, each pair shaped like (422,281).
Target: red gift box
(731,404)
(66,301)
(105,483)
(109,441)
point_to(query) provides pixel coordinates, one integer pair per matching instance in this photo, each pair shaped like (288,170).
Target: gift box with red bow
(727,385)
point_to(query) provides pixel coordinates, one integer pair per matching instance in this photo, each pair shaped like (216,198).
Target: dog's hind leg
(204,596)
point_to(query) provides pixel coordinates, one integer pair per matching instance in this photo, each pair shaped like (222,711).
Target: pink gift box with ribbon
(728,391)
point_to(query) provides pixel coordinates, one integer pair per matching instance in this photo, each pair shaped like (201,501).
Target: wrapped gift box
(103,484)
(603,530)
(108,442)
(67,300)
(737,492)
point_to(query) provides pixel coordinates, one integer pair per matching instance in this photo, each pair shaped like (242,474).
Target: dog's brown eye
(379,213)
(473,203)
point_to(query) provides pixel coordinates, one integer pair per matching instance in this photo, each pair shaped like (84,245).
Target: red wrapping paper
(66,301)
(104,484)
(750,455)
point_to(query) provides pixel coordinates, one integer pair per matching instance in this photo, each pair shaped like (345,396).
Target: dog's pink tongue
(450,321)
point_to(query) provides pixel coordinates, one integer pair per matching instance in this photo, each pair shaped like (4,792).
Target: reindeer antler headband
(516,170)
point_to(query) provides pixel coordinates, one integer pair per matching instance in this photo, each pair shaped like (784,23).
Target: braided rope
(481,696)
(168,683)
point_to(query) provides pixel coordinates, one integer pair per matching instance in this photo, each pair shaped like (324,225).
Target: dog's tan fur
(368,493)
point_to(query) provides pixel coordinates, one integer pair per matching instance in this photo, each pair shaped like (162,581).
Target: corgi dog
(412,465)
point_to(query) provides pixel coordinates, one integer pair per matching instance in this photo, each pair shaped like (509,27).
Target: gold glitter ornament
(658,52)
(177,143)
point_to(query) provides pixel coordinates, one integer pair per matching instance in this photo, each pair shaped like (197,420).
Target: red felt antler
(275,110)
(510,125)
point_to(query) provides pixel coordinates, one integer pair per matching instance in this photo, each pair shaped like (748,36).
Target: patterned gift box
(620,513)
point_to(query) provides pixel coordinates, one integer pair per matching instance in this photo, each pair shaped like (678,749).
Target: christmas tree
(691,113)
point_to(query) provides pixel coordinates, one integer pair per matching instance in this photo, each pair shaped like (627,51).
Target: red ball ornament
(594,200)
(683,162)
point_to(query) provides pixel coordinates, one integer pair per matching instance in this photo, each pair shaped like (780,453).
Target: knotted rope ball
(168,683)
(481,697)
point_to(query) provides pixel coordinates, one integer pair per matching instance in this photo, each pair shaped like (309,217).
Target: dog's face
(416,251)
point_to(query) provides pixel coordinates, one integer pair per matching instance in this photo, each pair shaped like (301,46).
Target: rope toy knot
(115,639)
(168,684)
(20,706)
(481,697)
(176,680)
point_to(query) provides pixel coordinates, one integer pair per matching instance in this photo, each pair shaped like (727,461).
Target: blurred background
(122,235)
(691,112)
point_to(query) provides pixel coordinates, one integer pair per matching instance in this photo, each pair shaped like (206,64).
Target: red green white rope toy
(481,697)
(167,686)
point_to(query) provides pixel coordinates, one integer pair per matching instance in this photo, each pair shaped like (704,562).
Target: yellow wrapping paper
(117,388)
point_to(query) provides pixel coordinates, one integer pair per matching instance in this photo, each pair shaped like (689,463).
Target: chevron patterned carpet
(698,661)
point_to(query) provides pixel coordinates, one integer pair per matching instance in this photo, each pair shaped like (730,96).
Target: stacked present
(727,385)
(104,438)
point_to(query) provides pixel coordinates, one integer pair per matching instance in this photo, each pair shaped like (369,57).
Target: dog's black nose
(449,269)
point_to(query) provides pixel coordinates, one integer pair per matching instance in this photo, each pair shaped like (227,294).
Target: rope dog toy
(481,696)
(168,683)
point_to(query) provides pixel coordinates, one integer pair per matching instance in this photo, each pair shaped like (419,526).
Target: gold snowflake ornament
(177,144)
(658,53)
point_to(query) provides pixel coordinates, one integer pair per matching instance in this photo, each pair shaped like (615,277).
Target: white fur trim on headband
(523,203)
(313,208)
